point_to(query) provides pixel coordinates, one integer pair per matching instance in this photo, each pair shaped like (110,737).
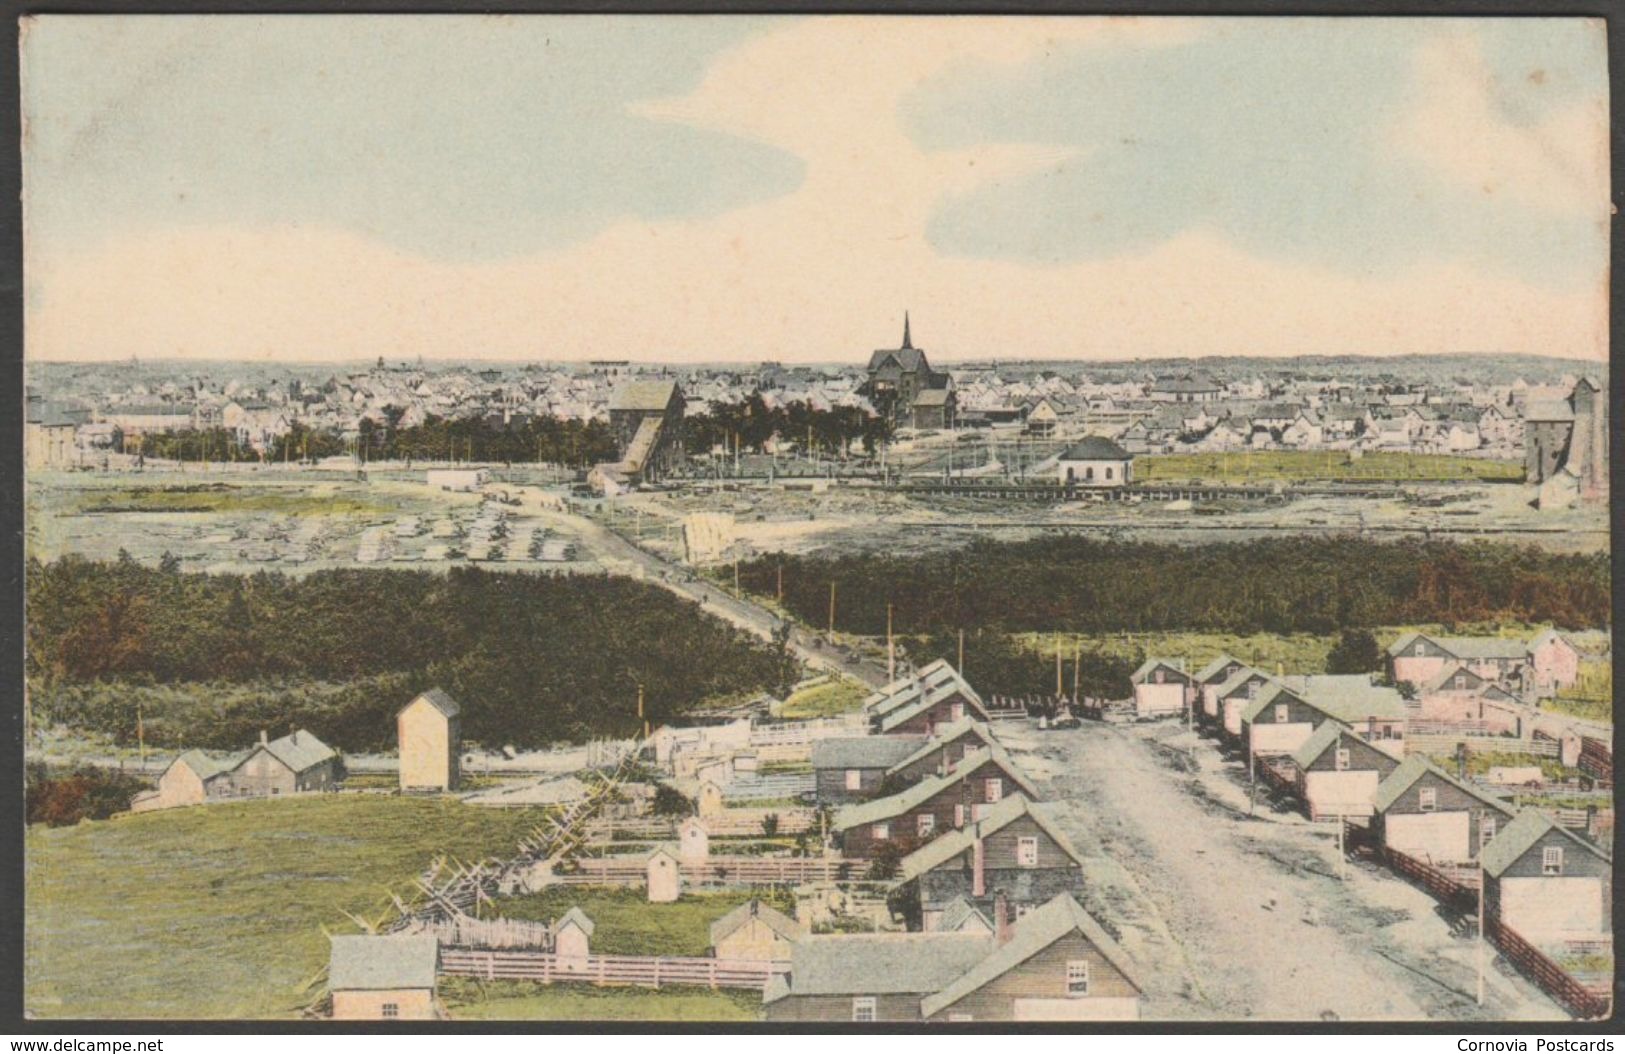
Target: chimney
(1001,920)
(978,856)
(264,738)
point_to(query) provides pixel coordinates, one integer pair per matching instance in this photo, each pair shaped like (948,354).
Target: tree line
(797,425)
(533,658)
(1080,584)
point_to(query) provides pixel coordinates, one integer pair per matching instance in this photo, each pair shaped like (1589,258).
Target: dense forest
(1279,585)
(212,659)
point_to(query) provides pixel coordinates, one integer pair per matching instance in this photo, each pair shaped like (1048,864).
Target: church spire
(907,344)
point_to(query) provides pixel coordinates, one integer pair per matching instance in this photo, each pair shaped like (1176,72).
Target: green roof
(207,768)
(1031,934)
(366,963)
(438,699)
(1348,697)
(862,752)
(931,678)
(897,715)
(1267,695)
(1239,678)
(1412,769)
(885,808)
(1318,743)
(941,849)
(1212,669)
(1150,664)
(300,750)
(1465,647)
(881,963)
(946,736)
(1517,837)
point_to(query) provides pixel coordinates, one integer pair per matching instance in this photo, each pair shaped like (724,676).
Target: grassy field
(625,923)
(470,1000)
(1592,697)
(217,911)
(840,696)
(1302,466)
(319,500)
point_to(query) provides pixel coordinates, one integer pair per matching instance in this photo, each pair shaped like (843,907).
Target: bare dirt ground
(1231,917)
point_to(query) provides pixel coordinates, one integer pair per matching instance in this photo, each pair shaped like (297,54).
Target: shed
(1546,883)
(429,732)
(665,876)
(383,978)
(754,931)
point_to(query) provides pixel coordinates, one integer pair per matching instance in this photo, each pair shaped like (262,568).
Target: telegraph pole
(832,609)
(891,648)
(1481,892)
(1060,685)
(961,667)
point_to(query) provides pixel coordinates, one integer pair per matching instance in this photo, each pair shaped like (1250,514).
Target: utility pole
(961,667)
(832,609)
(1342,853)
(780,592)
(891,648)
(1059,684)
(1481,891)
(736,575)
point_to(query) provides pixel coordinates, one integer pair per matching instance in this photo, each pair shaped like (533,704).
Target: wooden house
(428,730)
(1277,721)
(191,779)
(1055,964)
(1286,712)
(388,978)
(943,751)
(932,806)
(1546,883)
(1457,694)
(664,876)
(755,931)
(1161,687)
(1421,811)
(1014,851)
(295,763)
(1553,664)
(1419,657)
(848,769)
(1232,697)
(1338,772)
(1208,680)
(936,695)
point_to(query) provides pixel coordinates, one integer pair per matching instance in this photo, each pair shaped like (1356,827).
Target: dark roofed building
(898,377)
(1095,461)
(647,420)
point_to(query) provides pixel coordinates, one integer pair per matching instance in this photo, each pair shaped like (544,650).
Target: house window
(1108,473)
(1421,649)
(1427,799)
(1281,713)
(1486,831)
(1027,852)
(1461,680)
(1077,978)
(854,780)
(957,711)
(993,789)
(1089,473)
(926,823)
(1158,677)
(1342,759)
(392,1010)
(882,832)
(863,1008)
(1551,860)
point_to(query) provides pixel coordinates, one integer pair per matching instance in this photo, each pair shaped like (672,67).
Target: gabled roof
(1030,935)
(1443,677)
(1413,768)
(879,963)
(438,699)
(1348,697)
(863,752)
(1548,410)
(1319,741)
(909,360)
(299,750)
(205,767)
(578,917)
(933,397)
(906,689)
(961,916)
(1239,678)
(1464,647)
(771,917)
(367,963)
(1139,675)
(1002,814)
(1095,448)
(1519,836)
(1268,695)
(946,736)
(898,715)
(1549,634)
(643,395)
(882,809)
(1216,667)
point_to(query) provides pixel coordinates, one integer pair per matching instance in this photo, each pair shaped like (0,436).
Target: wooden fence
(1581,1000)
(806,732)
(1424,743)
(465,931)
(1450,886)
(626,970)
(717,871)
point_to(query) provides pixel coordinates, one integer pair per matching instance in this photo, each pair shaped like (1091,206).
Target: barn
(1422,812)
(1338,772)
(191,779)
(1013,851)
(295,763)
(1547,883)
(1160,687)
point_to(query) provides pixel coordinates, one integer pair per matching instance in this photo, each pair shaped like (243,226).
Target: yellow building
(754,931)
(430,738)
(190,779)
(383,978)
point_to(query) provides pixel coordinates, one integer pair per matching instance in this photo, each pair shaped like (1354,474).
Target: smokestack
(978,854)
(265,739)
(1001,920)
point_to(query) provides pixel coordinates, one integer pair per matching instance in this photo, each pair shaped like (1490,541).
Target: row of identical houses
(986,882)
(1337,744)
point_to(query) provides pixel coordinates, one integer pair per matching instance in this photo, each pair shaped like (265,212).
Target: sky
(715,188)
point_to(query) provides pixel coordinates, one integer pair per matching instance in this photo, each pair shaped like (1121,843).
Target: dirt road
(1238,918)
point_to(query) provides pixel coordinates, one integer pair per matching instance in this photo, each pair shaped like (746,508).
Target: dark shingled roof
(864,752)
(1095,448)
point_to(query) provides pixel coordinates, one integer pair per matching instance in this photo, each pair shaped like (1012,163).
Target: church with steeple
(903,388)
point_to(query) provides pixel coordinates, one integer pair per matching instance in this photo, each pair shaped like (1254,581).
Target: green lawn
(1293,466)
(1592,697)
(839,696)
(216,911)
(469,1000)
(625,923)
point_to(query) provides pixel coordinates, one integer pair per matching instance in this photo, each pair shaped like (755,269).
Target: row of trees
(798,425)
(1080,584)
(533,658)
(545,440)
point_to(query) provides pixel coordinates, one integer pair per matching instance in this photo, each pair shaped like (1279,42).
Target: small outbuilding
(429,731)
(754,931)
(383,978)
(1095,461)
(665,876)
